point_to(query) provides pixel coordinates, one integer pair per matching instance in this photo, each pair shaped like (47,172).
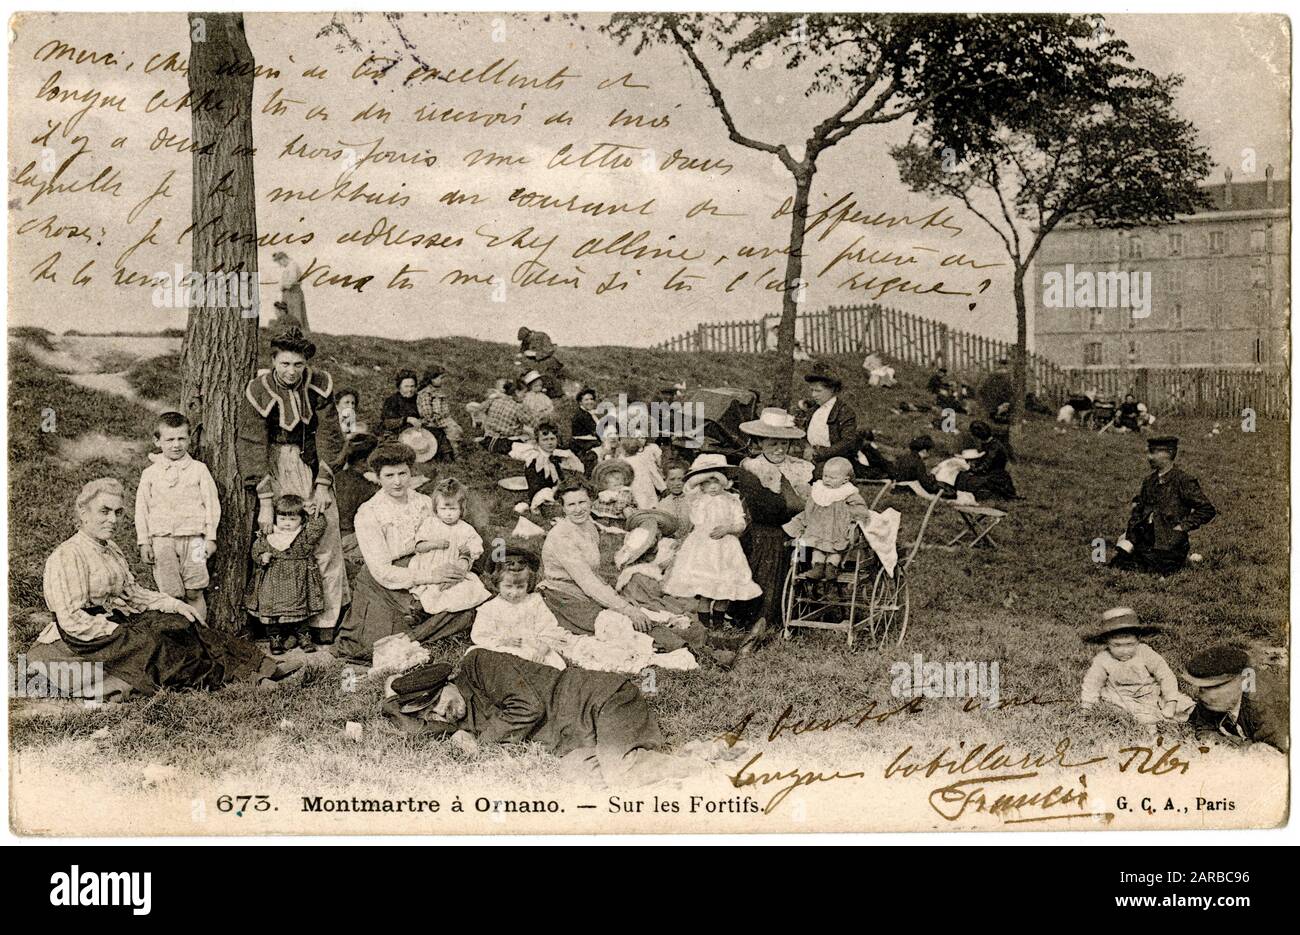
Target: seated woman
(144,639)
(582,429)
(911,467)
(401,410)
(576,593)
(869,463)
(386,527)
(988,476)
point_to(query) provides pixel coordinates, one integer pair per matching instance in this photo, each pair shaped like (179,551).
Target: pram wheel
(890,607)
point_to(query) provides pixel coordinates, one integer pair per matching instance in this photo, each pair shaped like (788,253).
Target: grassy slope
(1023,605)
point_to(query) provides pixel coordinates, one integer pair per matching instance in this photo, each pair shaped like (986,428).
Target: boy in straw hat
(1130,674)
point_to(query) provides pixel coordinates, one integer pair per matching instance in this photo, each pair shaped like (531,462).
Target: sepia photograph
(695,423)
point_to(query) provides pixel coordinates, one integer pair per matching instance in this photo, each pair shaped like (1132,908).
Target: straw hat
(1119,620)
(772,422)
(420,441)
(710,464)
(608,466)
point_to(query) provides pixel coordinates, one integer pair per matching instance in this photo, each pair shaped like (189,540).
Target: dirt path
(102,363)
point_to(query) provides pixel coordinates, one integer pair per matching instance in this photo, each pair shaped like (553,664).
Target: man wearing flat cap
(1225,712)
(500,698)
(1168,507)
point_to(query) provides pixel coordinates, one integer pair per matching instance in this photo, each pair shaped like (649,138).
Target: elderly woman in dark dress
(401,410)
(385,527)
(288,438)
(145,640)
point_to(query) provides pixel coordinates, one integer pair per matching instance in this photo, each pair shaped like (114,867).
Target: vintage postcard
(554,423)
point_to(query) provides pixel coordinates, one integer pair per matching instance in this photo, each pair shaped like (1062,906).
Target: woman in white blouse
(385,527)
(145,640)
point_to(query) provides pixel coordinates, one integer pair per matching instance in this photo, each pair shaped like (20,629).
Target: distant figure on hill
(995,389)
(537,350)
(293,304)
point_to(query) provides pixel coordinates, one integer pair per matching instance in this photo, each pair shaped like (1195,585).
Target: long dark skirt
(769,563)
(154,650)
(377,612)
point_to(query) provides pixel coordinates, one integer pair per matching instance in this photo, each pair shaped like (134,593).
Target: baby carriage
(715,415)
(863,595)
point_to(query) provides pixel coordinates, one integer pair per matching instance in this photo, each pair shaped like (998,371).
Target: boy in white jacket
(176,515)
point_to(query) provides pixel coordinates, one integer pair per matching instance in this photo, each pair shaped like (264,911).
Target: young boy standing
(176,515)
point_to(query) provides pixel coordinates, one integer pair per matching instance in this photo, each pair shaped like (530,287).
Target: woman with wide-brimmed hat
(773,486)
(288,438)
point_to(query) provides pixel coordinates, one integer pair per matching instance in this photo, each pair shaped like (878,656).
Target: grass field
(1023,605)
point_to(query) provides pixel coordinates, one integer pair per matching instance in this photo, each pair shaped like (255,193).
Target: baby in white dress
(444,540)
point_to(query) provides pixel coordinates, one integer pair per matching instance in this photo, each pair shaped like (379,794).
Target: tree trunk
(1018,371)
(219,354)
(784,379)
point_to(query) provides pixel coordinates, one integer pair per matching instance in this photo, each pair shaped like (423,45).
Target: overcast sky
(1237,85)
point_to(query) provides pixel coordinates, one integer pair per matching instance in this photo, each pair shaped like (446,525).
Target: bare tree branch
(780,151)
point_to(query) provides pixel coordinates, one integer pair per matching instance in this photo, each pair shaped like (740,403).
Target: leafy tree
(1105,148)
(956,75)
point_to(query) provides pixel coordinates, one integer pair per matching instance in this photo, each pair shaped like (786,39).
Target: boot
(276,633)
(324,636)
(304,638)
(817,572)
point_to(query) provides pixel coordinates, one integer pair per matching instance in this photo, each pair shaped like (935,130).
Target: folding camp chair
(979,521)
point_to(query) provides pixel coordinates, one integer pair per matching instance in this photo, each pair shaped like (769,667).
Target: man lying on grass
(599,721)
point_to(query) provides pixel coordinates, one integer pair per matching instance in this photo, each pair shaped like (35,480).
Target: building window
(1096,319)
(1174,281)
(1132,352)
(1216,350)
(1178,315)
(1175,244)
(1176,352)
(1257,241)
(1216,278)
(1258,275)
(1135,247)
(1092,353)
(1259,350)
(1218,241)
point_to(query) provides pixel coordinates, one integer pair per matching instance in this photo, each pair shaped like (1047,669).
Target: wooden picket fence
(913,339)
(860,329)
(1216,392)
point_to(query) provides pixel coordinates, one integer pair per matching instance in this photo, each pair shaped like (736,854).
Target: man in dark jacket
(911,467)
(501,698)
(1224,712)
(1168,507)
